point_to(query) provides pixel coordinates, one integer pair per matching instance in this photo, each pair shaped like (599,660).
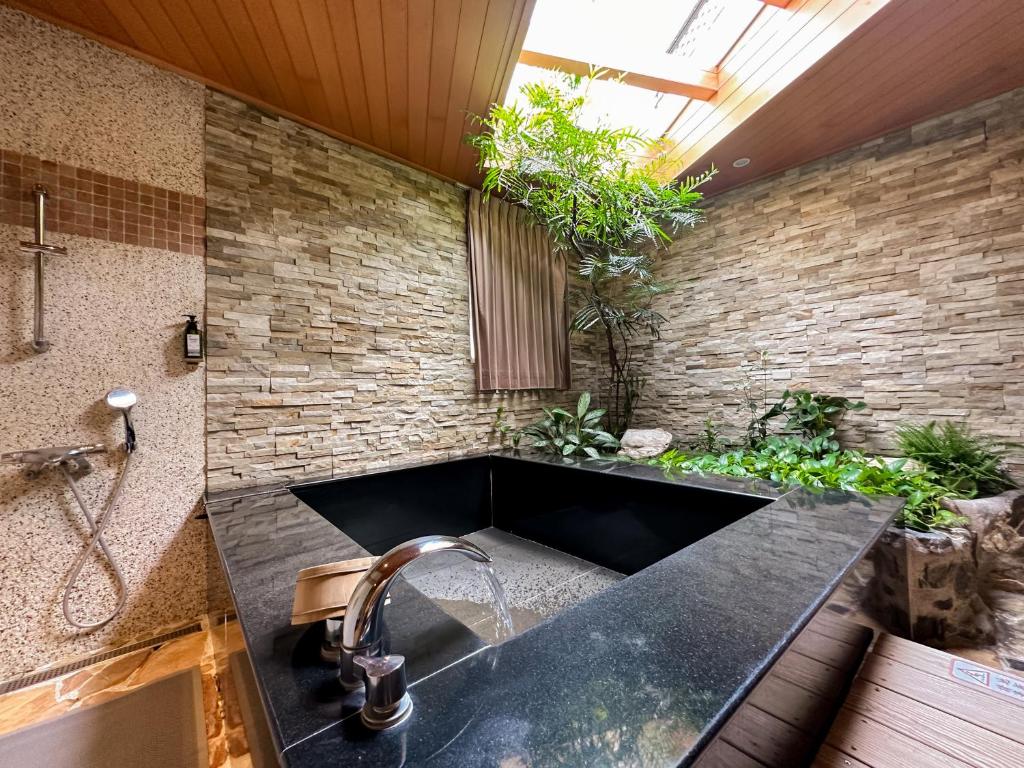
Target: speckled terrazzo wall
(113,318)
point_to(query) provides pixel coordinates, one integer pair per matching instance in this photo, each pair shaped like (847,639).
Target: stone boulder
(998,525)
(644,443)
(926,587)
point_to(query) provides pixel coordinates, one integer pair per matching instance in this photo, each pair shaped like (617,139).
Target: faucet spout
(363,630)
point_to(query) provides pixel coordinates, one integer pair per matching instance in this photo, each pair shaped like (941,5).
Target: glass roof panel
(610,32)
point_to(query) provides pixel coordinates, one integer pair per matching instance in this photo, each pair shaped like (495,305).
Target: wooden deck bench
(835,700)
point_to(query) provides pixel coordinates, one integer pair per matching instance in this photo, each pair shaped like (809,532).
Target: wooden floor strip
(769,739)
(883,747)
(828,650)
(932,661)
(905,708)
(840,629)
(977,746)
(793,703)
(817,677)
(722,755)
(830,757)
(963,701)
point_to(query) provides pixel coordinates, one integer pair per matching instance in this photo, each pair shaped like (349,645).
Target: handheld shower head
(122,399)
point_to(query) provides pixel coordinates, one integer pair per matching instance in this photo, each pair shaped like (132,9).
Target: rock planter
(644,443)
(926,587)
(998,525)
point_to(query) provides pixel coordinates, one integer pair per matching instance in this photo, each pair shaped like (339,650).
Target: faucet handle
(387,699)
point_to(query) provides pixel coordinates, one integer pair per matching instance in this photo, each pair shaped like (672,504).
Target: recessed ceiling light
(741,162)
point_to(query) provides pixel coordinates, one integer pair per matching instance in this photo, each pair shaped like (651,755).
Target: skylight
(680,40)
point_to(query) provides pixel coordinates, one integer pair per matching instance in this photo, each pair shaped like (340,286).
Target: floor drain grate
(42,676)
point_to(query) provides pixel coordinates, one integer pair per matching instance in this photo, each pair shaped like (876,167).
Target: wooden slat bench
(905,706)
(911,705)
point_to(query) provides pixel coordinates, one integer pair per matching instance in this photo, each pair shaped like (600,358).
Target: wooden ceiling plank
(889,87)
(766,24)
(500,25)
(170,37)
(447,15)
(370,34)
(467,51)
(194,37)
(421,35)
(670,76)
(515,43)
(321,41)
(268,31)
(395,33)
(102,20)
(346,48)
(772,71)
(138,30)
(925,48)
(219,37)
(297,44)
(243,35)
(989,32)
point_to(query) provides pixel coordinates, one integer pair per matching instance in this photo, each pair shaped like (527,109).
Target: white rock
(644,443)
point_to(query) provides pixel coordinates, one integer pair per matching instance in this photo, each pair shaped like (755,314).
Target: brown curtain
(518,293)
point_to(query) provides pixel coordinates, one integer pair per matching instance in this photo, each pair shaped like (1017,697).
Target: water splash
(503,626)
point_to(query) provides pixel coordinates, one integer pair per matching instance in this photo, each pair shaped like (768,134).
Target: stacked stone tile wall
(337,308)
(893,272)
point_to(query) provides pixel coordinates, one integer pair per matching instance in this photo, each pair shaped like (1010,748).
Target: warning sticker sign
(1007,685)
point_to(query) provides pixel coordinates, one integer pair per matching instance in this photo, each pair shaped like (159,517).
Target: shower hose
(96,529)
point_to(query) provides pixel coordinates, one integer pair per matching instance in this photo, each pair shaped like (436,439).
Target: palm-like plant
(602,202)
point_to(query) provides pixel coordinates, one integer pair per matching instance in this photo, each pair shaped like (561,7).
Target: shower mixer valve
(72,457)
(72,461)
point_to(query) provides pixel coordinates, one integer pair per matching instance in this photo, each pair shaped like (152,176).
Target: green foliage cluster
(606,197)
(792,461)
(571,434)
(813,416)
(967,463)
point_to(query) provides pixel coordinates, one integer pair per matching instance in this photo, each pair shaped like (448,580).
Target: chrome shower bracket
(40,248)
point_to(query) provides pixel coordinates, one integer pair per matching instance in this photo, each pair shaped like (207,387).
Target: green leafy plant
(813,416)
(791,461)
(709,440)
(571,434)
(969,463)
(602,202)
(754,397)
(507,434)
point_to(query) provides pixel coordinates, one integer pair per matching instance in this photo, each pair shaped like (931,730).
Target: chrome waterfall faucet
(363,661)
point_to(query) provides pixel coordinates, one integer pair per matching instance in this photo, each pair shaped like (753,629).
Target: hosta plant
(572,434)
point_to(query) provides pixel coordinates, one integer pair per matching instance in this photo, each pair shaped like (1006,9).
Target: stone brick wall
(337,308)
(893,272)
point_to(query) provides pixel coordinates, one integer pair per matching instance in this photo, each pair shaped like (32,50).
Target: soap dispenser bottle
(193,340)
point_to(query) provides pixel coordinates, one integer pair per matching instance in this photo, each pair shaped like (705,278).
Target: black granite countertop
(642,674)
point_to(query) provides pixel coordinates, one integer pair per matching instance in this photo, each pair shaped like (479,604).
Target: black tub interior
(557,534)
(618,522)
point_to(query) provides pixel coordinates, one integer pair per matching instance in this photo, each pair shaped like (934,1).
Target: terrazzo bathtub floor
(209,649)
(539,582)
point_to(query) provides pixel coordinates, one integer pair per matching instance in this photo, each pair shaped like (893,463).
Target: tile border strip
(92,204)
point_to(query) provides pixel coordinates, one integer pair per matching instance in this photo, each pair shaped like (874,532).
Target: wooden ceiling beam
(665,75)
